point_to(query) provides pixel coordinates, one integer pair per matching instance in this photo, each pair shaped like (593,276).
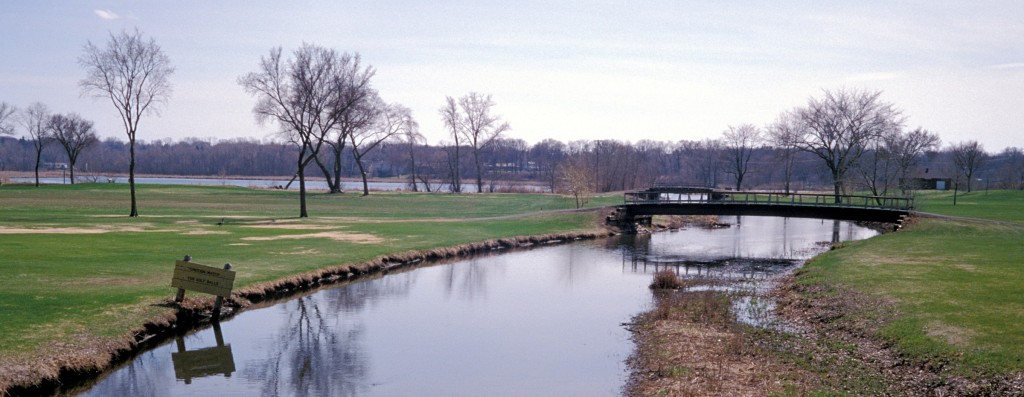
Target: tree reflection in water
(319,349)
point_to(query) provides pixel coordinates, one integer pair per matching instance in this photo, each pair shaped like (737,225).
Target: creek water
(547,321)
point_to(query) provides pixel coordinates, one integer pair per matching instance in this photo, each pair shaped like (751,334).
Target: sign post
(211,280)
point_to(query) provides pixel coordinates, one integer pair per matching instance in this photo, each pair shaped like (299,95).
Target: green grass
(956,284)
(90,272)
(1002,205)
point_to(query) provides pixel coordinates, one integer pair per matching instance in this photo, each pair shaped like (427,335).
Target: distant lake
(311,183)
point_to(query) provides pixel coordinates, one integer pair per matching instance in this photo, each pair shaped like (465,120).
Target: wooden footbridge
(639,206)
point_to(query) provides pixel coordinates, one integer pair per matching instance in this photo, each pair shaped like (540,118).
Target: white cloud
(106,14)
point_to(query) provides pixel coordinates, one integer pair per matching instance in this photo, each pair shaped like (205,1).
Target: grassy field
(956,285)
(1001,205)
(78,273)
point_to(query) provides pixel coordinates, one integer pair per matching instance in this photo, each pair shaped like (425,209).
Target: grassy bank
(952,288)
(80,275)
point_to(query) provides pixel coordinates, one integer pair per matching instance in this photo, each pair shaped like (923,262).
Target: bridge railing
(771,198)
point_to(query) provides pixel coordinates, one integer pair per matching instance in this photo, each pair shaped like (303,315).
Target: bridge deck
(659,201)
(659,196)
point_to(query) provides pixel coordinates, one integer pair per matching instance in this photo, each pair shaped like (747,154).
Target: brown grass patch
(51,230)
(954,335)
(358,238)
(293,226)
(203,232)
(691,345)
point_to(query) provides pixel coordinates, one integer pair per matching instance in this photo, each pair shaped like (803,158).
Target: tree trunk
(412,167)
(39,155)
(302,191)
(362,173)
(337,171)
(131,174)
(327,175)
(479,175)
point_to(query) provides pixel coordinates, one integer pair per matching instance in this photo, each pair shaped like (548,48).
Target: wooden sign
(195,277)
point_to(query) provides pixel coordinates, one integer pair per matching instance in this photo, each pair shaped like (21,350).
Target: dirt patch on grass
(51,230)
(293,226)
(358,238)
(199,232)
(954,335)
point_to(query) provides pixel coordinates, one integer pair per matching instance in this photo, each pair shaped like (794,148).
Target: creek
(546,321)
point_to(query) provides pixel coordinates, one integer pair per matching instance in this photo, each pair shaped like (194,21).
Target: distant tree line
(607,165)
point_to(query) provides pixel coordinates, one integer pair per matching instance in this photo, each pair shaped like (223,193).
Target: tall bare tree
(6,112)
(784,134)
(479,127)
(389,122)
(134,74)
(35,119)
(841,125)
(359,107)
(906,148)
(412,137)
(74,134)
(968,157)
(740,142)
(877,166)
(453,121)
(304,96)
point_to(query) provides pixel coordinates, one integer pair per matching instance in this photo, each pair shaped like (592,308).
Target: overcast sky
(567,70)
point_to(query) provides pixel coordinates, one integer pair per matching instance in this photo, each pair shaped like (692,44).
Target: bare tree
(784,134)
(479,127)
(877,167)
(740,143)
(840,126)
(968,157)
(412,137)
(6,111)
(450,115)
(304,96)
(359,107)
(576,179)
(73,133)
(133,73)
(906,147)
(35,119)
(389,122)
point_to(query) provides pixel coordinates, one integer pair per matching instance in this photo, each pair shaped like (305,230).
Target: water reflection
(541,322)
(199,363)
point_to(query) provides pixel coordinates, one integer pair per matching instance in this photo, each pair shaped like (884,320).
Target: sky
(569,70)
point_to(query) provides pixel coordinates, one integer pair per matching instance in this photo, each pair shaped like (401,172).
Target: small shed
(930,179)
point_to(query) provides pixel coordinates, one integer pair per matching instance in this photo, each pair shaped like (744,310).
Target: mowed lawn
(958,286)
(79,273)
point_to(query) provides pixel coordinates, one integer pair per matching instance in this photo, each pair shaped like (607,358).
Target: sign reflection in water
(546,321)
(216,360)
